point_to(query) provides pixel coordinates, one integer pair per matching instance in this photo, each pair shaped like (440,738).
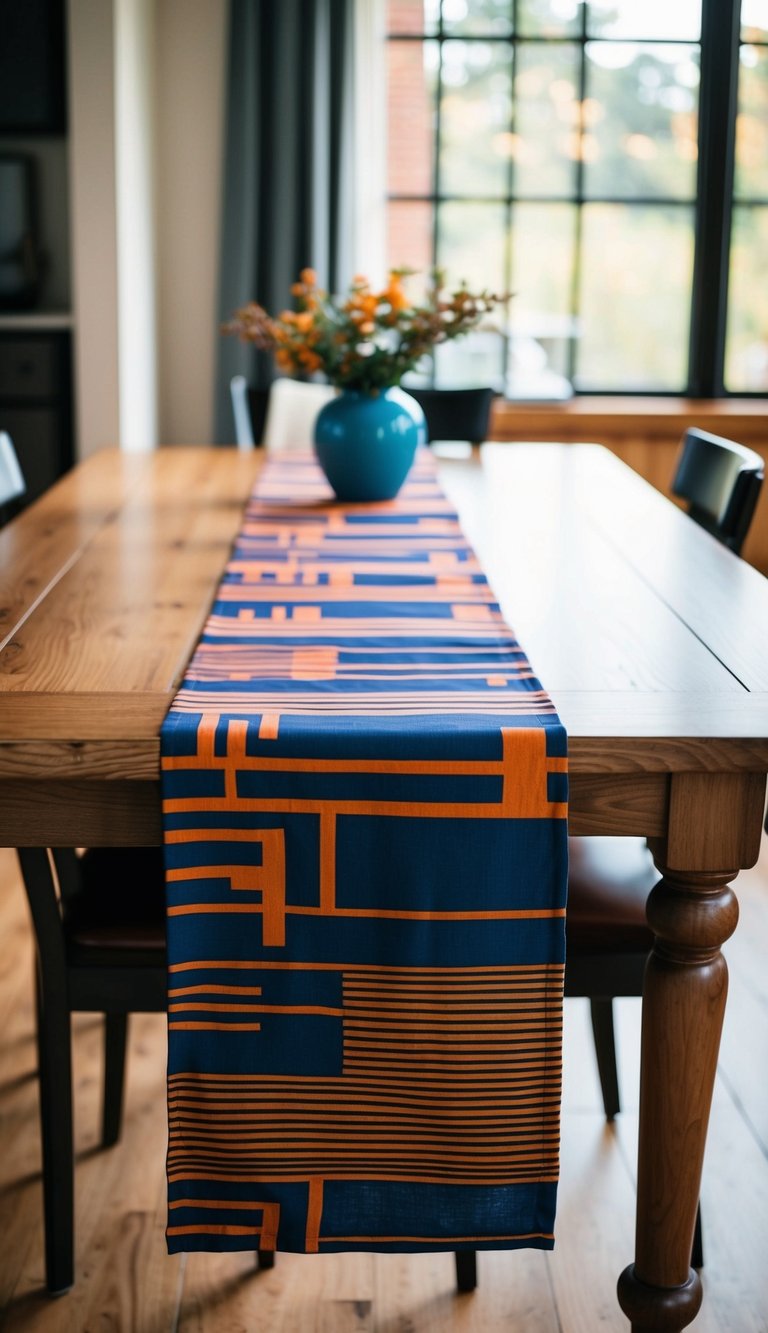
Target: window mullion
(509,208)
(579,202)
(720,25)
(436,171)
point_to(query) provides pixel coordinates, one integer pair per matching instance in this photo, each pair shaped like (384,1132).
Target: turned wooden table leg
(691,911)
(686,983)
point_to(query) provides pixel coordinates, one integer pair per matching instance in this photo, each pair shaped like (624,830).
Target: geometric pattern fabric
(364,794)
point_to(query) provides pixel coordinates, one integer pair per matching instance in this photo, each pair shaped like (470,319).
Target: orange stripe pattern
(364,794)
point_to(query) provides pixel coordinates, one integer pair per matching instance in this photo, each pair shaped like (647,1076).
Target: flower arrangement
(365,340)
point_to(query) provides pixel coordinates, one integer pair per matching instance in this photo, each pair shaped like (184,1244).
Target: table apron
(80,813)
(89,813)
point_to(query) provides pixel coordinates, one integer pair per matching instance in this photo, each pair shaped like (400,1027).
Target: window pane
(746,349)
(543,238)
(472,362)
(409,240)
(635,297)
(545,143)
(411,116)
(549,18)
(640,120)
(751,176)
(754,21)
(413,16)
(654,20)
(481,18)
(475,117)
(471,244)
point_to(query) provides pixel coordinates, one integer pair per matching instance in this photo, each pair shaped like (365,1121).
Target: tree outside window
(553,148)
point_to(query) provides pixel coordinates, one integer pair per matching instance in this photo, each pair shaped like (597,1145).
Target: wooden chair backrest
(720,480)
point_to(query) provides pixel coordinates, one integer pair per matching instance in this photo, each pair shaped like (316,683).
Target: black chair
(100,936)
(100,947)
(609,879)
(249,409)
(455,414)
(720,481)
(451,414)
(99,922)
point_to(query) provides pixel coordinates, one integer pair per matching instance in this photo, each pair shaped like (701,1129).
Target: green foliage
(365,340)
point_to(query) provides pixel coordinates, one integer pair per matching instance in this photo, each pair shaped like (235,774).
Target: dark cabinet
(36,404)
(32,67)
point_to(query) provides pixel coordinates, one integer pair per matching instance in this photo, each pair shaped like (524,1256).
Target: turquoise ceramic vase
(365,443)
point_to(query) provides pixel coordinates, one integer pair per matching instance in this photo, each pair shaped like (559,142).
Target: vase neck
(368,396)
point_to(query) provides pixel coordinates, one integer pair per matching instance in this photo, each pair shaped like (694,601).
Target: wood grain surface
(106,584)
(609,586)
(123,613)
(645,433)
(649,635)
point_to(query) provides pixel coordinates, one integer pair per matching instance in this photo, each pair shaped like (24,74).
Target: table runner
(365,829)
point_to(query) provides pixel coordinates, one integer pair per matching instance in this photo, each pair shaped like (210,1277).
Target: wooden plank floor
(127,1284)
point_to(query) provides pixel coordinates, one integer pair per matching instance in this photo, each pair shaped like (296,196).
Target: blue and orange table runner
(365,825)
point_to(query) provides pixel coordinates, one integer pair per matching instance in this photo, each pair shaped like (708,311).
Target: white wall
(147,92)
(369,141)
(93,222)
(146,82)
(135,202)
(191,39)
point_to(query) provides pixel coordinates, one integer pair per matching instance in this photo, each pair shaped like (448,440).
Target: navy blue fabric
(365,835)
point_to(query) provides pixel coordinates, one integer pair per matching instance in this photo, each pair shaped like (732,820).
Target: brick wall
(410,122)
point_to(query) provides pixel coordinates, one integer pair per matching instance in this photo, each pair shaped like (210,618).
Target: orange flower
(324,332)
(308,359)
(362,307)
(394,293)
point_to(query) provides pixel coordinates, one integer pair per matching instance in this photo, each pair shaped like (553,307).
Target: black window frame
(713,202)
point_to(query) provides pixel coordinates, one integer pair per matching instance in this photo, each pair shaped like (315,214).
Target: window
(746,362)
(580,154)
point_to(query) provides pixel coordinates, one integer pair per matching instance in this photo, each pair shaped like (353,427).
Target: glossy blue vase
(365,443)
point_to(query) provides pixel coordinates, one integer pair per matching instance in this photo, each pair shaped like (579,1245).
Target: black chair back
(258,402)
(721,482)
(455,414)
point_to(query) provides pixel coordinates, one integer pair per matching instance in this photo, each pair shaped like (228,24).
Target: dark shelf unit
(33,92)
(36,403)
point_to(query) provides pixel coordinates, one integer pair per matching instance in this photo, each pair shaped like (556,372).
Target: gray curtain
(287,165)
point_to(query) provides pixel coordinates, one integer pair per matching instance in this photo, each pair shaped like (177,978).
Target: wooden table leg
(691,911)
(684,994)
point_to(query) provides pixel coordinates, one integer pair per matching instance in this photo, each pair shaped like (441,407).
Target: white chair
(291,413)
(238,387)
(12,483)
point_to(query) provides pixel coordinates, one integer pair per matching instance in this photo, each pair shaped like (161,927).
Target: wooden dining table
(649,635)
